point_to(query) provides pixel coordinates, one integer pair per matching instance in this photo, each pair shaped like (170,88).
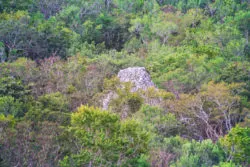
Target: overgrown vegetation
(59,58)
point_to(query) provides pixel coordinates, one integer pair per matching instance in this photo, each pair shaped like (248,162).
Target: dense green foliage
(58,58)
(105,140)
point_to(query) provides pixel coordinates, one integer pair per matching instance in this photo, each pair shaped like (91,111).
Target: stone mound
(138,76)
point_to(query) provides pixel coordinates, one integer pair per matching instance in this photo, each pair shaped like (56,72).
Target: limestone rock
(140,79)
(138,76)
(110,96)
(2,54)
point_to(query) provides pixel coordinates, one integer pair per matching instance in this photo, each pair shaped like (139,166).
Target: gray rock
(140,79)
(105,102)
(2,54)
(138,76)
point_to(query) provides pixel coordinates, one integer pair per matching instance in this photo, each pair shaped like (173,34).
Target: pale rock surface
(138,76)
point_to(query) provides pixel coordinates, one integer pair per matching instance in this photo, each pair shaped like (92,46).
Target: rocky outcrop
(138,76)
(140,79)
(110,96)
(2,54)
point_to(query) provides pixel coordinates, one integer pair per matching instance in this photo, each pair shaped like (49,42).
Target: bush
(10,106)
(237,142)
(105,140)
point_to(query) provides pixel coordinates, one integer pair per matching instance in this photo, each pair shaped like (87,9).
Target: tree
(159,122)
(136,6)
(18,39)
(10,106)
(103,139)
(241,19)
(224,8)
(44,39)
(52,107)
(14,5)
(23,145)
(185,5)
(49,8)
(10,86)
(210,113)
(164,30)
(237,143)
(195,154)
